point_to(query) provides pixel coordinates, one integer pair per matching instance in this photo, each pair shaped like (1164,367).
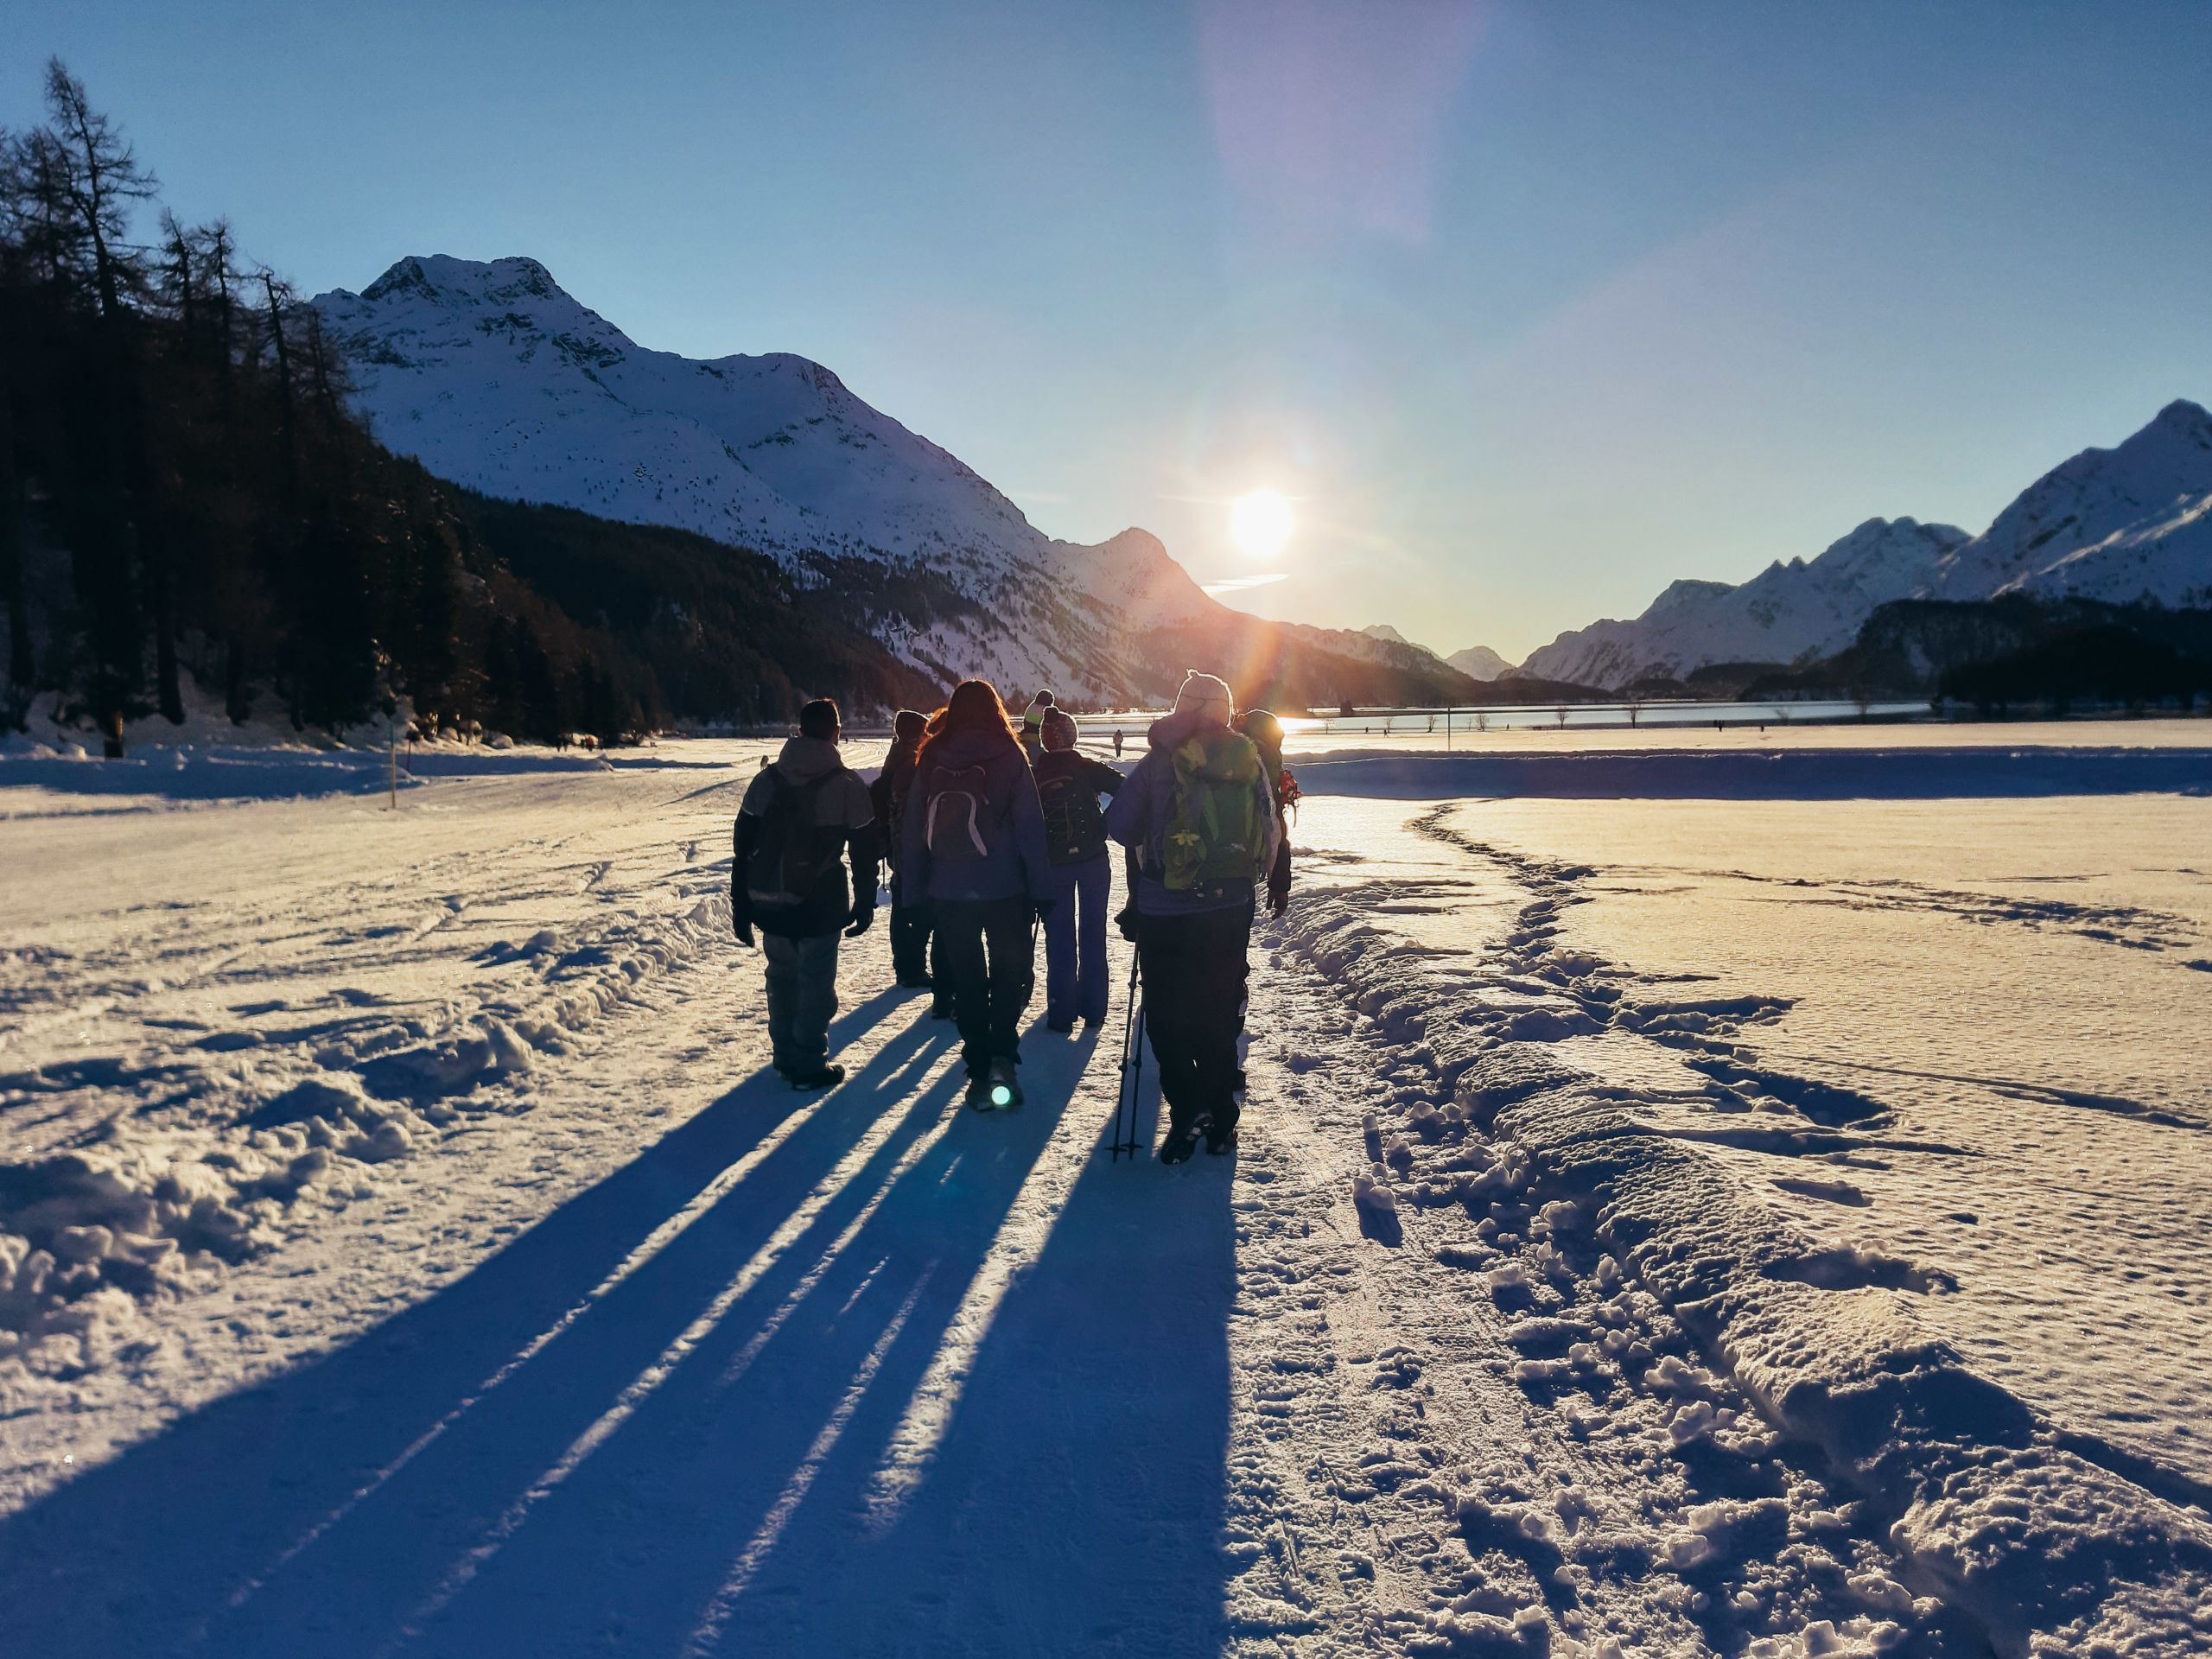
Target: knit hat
(1059,729)
(909,724)
(1206,692)
(1034,715)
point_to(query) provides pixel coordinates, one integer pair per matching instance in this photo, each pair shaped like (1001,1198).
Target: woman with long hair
(972,846)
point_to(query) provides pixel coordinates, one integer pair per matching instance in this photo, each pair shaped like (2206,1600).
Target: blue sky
(1529,306)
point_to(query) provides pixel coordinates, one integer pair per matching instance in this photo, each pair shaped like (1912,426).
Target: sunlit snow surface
(430,1266)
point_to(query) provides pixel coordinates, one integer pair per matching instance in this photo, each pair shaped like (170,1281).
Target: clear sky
(1529,306)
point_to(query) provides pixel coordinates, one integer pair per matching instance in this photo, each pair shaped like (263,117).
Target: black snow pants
(1194,972)
(987,954)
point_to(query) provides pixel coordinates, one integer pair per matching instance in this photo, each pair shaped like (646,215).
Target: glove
(741,917)
(1044,907)
(1126,920)
(743,929)
(1278,893)
(863,918)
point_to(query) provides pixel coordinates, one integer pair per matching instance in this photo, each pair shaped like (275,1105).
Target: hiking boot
(1179,1146)
(979,1093)
(1220,1140)
(914,982)
(1060,1026)
(941,1009)
(1005,1086)
(822,1077)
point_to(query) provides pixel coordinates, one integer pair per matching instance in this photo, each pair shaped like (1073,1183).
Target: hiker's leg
(910,933)
(1217,986)
(816,1003)
(1008,927)
(1093,883)
(961,964)
(1060,976)
(781,955)
(1164,947)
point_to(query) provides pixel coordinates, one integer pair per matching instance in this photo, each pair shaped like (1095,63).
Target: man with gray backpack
(802,817)
(1198,812)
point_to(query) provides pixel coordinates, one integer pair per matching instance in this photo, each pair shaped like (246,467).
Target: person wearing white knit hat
(1199,813)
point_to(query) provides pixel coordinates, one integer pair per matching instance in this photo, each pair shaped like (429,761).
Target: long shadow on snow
(309,1513)
(1075,1501)
(1072,1500)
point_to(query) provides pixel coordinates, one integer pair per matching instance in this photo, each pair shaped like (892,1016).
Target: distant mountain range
(494,377)
(2122,525)
(1476,661)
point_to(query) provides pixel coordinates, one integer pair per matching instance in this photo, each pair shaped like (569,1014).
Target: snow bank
(2051,1553)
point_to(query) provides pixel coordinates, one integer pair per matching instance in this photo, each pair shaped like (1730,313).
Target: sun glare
(1259,524)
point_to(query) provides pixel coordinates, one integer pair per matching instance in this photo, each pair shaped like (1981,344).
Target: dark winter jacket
(1069,785)
(1141,814)
(1015,866)
(888,793)
(844,818)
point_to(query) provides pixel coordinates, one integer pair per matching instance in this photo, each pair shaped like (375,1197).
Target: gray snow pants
(802,999)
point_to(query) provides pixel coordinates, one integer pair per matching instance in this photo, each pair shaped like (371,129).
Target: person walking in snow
(972,845)
(1032,725)
(1068,787)
(1199,813)
(910,915)
(801,818)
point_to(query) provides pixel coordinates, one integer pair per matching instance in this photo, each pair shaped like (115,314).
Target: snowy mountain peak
(494,376)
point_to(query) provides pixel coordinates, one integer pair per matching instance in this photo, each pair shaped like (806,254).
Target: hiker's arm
(1029,834)
(914,847)
(1127,819)
(1104,780)
(745,836)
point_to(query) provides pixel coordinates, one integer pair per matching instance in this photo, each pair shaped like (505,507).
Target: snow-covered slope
(1787,612)
(2133,522)
(2121,525)
(1479,662)
(491,376)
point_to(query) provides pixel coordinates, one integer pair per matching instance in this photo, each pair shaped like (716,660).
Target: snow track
(1984,1502)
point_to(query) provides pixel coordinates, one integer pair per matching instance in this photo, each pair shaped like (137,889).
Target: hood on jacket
(971,745)
(1169,729)
(803,759)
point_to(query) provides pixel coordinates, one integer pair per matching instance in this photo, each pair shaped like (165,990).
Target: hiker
(973,848)
(1266,733)
(1032,725)
(1068,788)
(799,816)
(910,916)
(1199,813)
(1117,742)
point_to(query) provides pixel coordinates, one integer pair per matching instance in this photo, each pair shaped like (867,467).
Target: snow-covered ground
(1732,1220)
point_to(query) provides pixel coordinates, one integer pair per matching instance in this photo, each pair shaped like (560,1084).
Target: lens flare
(1259,524)
(1001,1095)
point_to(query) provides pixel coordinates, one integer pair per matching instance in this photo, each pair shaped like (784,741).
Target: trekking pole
(1132,1081)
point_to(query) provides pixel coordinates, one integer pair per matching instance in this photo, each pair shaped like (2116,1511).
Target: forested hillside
(189,513)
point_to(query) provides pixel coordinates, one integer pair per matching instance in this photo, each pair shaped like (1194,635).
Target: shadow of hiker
(733,1490)
(303,1513)
(1062,1492)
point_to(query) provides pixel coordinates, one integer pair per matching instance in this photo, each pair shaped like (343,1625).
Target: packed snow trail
(638,1350)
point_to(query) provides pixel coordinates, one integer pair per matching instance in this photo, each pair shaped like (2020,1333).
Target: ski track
(641,1352)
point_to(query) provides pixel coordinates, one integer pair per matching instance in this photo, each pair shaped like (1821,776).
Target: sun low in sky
(1259,524)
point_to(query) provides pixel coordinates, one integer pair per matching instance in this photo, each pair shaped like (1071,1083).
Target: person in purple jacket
(1198,812)
(972,847)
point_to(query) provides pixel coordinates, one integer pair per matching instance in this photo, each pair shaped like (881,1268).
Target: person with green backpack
(802,817)
(1199,813)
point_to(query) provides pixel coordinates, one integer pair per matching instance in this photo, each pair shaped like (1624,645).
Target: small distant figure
(1032,725)
(800,817)
(1117,742)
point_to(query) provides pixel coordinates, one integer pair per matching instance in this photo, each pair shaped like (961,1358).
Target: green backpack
(1218,827)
